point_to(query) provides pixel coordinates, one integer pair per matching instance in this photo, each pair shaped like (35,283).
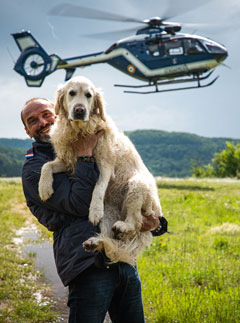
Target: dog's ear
(59,100)
(99,105)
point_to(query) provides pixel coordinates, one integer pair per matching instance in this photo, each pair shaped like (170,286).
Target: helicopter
(157,54)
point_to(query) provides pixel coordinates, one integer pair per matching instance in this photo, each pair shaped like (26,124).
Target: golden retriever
(125,189)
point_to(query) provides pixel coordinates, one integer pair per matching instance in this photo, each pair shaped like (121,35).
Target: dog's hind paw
(122,229)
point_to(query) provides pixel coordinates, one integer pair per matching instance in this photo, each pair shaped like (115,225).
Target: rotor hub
(154,22)
(34,64)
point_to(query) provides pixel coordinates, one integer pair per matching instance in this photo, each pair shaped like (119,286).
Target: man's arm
(50,219)
(71,195)
(157,225)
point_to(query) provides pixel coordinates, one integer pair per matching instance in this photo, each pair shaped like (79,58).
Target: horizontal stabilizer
(32,83)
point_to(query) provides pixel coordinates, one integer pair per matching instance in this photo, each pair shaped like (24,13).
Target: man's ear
(59,100)
(28,132)
(99,105)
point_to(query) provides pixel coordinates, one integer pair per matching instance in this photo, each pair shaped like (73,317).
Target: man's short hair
(32,100)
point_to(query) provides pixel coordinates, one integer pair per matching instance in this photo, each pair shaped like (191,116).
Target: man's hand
(85,146)
(150,223)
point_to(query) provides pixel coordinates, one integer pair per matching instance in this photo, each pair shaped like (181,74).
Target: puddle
(44,262)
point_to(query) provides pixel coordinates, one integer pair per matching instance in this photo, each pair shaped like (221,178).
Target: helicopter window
(192,46)
(153,49)
(214,49)
(174,48)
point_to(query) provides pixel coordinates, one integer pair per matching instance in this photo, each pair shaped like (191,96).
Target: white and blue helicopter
(157,54)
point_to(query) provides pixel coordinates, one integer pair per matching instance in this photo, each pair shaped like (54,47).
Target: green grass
(193,274)
(19,284)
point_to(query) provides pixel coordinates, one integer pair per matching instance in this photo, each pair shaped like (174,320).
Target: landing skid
(197,79)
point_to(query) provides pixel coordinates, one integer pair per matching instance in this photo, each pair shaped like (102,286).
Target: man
(94,286)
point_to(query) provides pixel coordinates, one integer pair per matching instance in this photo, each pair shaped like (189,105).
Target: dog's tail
(122,251)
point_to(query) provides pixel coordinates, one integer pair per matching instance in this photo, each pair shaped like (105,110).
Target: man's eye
(72,93)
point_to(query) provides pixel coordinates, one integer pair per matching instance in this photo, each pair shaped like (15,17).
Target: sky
(210,112)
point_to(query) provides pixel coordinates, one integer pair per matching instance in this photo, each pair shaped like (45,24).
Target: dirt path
(29,239)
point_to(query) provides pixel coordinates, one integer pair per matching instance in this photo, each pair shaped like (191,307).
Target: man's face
(39,116)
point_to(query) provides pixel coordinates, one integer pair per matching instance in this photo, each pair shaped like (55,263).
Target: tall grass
(193,273)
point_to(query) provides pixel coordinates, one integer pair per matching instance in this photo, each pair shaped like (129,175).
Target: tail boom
(34,64)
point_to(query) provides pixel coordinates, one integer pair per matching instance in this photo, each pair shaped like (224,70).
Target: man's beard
(43,137)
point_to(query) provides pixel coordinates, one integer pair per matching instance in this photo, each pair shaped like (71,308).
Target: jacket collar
(44,147)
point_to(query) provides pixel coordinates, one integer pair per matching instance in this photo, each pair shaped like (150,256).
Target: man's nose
(42,121)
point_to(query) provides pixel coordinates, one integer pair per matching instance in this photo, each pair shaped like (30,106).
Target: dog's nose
(79,112)
(79,109)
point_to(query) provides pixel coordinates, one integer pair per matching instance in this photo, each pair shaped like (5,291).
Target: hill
(174,153)
(16,143)
(164,153)
(12,155)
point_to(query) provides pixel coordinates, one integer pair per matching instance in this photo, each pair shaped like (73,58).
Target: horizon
(177,132)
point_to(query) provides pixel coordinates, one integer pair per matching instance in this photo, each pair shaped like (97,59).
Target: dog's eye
(72,93)
(88,95)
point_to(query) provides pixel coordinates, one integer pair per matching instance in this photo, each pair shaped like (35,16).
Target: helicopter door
(174,48)
(174,56)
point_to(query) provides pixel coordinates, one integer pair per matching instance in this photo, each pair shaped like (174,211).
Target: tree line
(172,154)
(224,164)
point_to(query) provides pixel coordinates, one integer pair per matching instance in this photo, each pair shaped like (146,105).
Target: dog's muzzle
(79,112)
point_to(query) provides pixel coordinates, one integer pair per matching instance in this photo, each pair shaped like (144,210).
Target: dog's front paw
(95,214)
(92,244)
(45,190)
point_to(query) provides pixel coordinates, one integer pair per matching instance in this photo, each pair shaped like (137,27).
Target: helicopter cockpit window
(174,47)
(192,46)
(212,48)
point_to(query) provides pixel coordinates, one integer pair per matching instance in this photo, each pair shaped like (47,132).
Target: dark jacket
(66,212)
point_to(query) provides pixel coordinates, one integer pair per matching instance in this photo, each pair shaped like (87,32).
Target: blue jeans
(116,289)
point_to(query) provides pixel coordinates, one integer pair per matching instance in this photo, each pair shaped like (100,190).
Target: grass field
(22,298)
(190,275)
(193,274)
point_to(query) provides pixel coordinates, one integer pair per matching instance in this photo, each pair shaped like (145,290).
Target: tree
(228,161)
(224,164)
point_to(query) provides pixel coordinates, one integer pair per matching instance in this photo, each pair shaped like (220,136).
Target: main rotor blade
(113,34)
(177,8)
(70,10)
(200,25)
(213,28)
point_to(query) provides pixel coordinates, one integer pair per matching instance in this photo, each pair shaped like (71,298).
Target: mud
(44,262)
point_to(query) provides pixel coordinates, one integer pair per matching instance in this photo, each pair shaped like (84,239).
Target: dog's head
(78,99)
